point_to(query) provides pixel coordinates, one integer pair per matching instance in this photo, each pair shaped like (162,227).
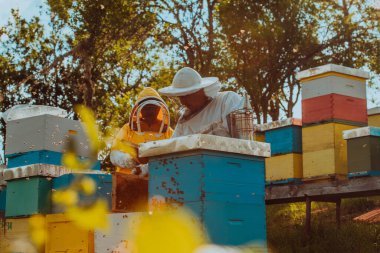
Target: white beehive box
(45,132)
(332,78)
(117,239)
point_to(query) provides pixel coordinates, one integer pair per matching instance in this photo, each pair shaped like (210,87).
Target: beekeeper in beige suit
(205,108)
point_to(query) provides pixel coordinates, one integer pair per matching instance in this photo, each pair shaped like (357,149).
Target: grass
(286,228)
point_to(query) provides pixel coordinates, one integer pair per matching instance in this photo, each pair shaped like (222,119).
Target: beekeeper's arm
(123,151)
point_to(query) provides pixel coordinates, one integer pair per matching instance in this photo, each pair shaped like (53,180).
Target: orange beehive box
(324,149)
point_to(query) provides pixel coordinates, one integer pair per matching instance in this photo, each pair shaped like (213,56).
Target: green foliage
(268,41)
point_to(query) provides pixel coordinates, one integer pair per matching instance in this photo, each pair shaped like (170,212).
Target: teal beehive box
(103,188)
(28,196)
(221,180)
(284,136)
(3,196)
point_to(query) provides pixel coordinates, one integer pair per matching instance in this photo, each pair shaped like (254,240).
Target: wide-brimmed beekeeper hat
(187,81)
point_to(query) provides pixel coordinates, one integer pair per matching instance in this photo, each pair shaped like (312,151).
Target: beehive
(28,196)
(224,189)
(65,236)
(129,193)
(334,108)
(45,132)
(283,167)
(374,117)
(333,79)
(15,236)
(324,149)
(103,187)
(334,82)
(3,198)
(284,136)
(363,150)
(38,157)
(333,93)
(117,238)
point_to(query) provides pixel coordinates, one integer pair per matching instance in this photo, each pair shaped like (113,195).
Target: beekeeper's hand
(122,160)
(141,170)
(144,170)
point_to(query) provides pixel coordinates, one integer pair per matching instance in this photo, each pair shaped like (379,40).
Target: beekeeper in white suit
(205,108)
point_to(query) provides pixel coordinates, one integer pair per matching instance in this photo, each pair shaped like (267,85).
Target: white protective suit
(212,119)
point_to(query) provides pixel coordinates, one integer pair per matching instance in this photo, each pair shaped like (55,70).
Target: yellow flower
(87,185)
(90,126)
(169,231)
(71,160)
(67,197)
(91,217)
(37,230)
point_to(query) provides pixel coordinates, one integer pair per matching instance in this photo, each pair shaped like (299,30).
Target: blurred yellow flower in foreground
(67,197)
(89,217)
(37,230)
(71,160)
(90,126)
(87,185)
(168,231)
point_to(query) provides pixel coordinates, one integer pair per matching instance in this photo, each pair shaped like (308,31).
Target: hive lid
(46,170)
(39,169)
(26,111)
(279,123)
(205,142)
(332,68)
(374,111)
(361,132)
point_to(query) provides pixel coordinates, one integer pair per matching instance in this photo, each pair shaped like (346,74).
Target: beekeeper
(149,121)
(205,108)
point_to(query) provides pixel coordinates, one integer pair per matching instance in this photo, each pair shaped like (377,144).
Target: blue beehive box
(28,196)
(3,197)
(35,157)
(103,187)
(225,190)
(285,136)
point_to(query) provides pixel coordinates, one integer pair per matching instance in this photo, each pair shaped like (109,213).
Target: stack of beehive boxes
(34,150)
(285,163)
(220,179)
(333,100)
(43,139)
(374,117)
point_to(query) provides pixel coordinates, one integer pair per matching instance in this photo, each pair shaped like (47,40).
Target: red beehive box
(334,107)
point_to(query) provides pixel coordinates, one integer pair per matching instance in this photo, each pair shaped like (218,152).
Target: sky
(28,8)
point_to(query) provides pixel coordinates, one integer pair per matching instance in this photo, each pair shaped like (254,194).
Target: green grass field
(286,228)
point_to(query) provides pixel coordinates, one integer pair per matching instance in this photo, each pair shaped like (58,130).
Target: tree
(190,30)
(270,40)
(91,52)
(92,43)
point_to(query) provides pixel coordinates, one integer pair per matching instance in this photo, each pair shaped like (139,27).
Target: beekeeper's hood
(149,96)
